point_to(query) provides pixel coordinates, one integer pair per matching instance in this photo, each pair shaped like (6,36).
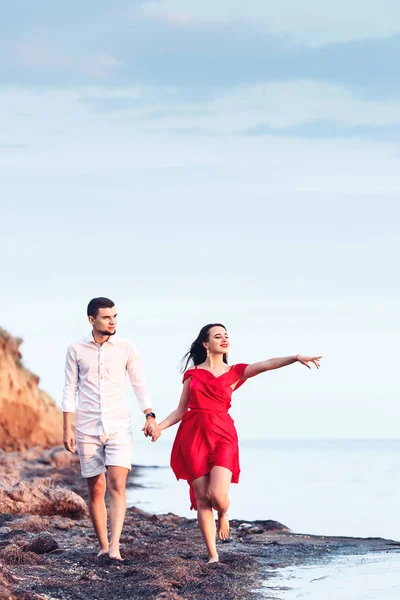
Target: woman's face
(218,341)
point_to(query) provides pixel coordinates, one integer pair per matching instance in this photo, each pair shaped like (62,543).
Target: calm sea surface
(368,577)
(349,488)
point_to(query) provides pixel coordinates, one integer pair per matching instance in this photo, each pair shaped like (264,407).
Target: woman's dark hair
(96,303)
(197,353)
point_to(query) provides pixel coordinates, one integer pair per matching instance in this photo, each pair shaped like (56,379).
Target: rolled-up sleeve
(137,378)
(71,381)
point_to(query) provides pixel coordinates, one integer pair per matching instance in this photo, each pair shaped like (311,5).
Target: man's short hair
(96,303)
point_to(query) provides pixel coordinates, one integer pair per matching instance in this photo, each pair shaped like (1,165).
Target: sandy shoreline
(49,555)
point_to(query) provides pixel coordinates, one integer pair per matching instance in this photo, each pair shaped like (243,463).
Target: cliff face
(28,416)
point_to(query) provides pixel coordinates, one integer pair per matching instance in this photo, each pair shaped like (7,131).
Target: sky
(200,162)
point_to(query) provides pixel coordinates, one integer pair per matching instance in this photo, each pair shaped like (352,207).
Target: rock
(35,498)
(37,524)
(254,530)
(30,524)
(61,458)
(28,416)
(41,544)
(261,526)
(270,525)
(251,528)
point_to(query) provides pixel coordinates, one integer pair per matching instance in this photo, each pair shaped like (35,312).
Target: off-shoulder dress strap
(239,370)
(187,374)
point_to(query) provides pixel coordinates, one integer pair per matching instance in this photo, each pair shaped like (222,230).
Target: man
(96,369)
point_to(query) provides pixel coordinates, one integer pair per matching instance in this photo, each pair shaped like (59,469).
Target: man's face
(106,321)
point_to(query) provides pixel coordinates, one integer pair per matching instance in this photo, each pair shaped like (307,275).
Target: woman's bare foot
(115,553)
(103,551)
(213,559)
(223,526)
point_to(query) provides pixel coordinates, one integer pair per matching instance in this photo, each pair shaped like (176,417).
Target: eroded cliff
(28,416)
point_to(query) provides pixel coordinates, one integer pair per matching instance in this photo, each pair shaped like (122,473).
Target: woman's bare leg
(220,479)
(205,516)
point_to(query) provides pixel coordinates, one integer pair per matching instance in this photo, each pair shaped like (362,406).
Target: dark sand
(54,557)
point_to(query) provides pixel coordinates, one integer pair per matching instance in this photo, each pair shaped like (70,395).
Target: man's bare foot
(213,559)
(223,526)
(103,551)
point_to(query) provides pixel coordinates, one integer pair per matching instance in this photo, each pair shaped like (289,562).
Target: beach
(53,556)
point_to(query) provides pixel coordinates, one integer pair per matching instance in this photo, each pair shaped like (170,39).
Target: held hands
(304,360)
(151,429)
(69,440)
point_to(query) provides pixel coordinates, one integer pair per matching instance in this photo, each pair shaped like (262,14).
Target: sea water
(367,577)
(349,488)
(333,488)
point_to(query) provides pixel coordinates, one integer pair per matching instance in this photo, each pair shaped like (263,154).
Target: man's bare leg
(116,483)
(97,510)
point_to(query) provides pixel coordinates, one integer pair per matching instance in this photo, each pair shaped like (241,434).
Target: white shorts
(96,452)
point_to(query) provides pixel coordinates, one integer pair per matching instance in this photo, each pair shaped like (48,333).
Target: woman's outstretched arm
(277,363)
(178,413)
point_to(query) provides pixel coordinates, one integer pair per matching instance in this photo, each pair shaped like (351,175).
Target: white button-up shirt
(98,374)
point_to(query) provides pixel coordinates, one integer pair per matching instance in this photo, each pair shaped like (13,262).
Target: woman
(205,451)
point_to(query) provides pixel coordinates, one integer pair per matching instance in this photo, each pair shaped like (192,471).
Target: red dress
(207,436)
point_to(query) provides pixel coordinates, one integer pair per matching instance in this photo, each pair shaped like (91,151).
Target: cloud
(302,108)
(298,109)
(64,134)
(286,104)
(11,149)
(198,45)
(308,22)
(39,55)
(148,127)
(180,18)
